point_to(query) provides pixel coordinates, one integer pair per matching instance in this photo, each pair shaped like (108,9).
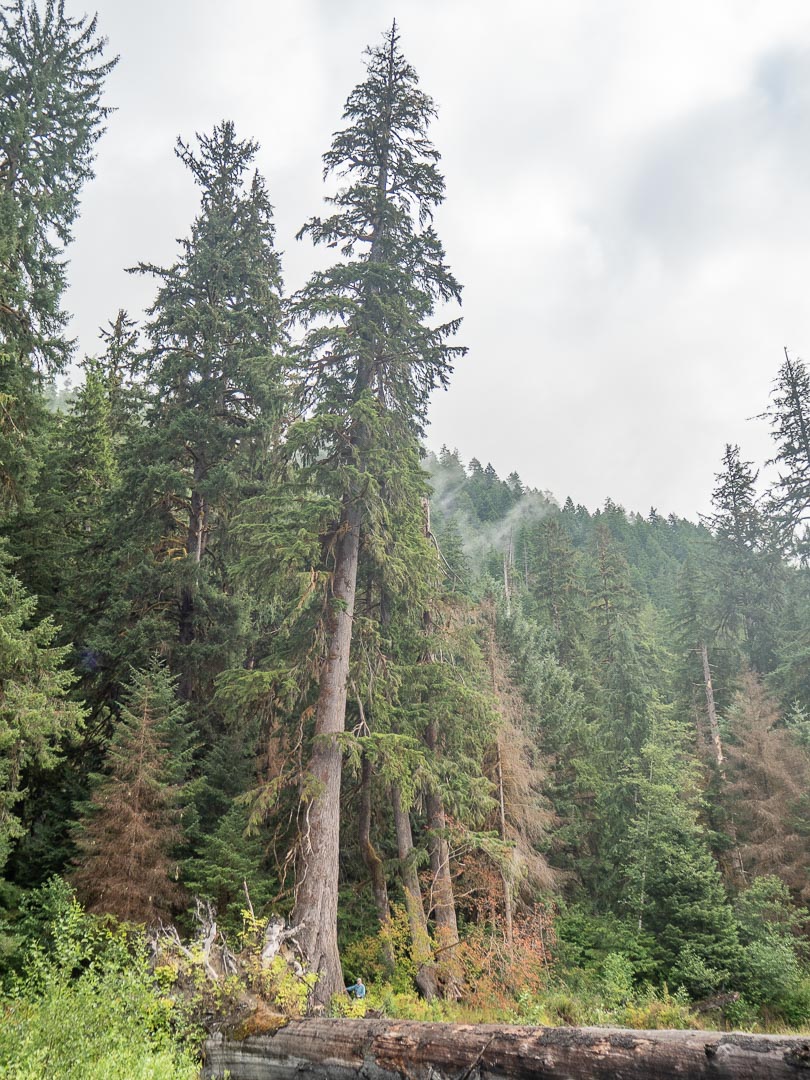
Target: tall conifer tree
(371,357)
(213,404)
(51,76)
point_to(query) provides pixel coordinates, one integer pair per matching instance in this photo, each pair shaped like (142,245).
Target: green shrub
(656,1008)
(88,1008)
(698,977)
(616,982)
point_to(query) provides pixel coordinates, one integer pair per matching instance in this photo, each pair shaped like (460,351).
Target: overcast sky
(628,206)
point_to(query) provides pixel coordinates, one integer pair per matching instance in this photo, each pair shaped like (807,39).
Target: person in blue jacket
(358,988)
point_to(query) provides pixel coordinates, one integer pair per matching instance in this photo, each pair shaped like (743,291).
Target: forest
(265,657)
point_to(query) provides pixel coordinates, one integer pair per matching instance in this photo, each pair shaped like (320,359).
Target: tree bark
(443,900)
(505,878)
(711,711)
(390,1049)
(196,539)
(316,893)
(421,948)
(373,863)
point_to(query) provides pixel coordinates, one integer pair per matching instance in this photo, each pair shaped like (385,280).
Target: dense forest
(262,654)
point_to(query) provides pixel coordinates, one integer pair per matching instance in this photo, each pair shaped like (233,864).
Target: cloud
(628,206)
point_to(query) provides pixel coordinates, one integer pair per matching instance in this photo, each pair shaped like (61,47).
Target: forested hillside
(264,654)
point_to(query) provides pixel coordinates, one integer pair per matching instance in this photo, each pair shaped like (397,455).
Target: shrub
(655,1009)
(616,983)
(88,1008)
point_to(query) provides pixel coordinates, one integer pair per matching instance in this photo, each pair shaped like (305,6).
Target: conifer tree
(675,889)
(57,538)
(371,357)
(128,837)
(622,704)
(789,495)
(36,717)
(51,76)
(768,777)
(556,583)
(695,634)
(746,574)
(213,402)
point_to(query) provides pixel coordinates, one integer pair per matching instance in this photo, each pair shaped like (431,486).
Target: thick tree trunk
(421,948)
(316,886)
(373,863)
(391,1049)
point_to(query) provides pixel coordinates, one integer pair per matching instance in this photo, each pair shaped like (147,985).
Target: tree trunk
(719,757)
(711,711)
(374,864)
(196,539)
(505,878)
(421,949)
(443,901)
(388,1049)
(316,886)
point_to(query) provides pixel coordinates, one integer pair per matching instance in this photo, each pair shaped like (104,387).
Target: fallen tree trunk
(393,1049)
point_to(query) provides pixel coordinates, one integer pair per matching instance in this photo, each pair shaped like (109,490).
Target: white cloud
(628,206)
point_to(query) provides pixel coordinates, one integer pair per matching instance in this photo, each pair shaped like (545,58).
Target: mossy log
(394,1049)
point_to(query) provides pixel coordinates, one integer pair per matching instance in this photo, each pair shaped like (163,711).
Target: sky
(628,207)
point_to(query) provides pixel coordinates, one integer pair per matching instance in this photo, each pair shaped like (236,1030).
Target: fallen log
(395,1049)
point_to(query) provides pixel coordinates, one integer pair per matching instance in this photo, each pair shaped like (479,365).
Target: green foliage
(675,885)
(586,941)
(227,859)
(528,680)
(609,1002)
(789,415)
(772,973)
(51,75)
(36,719)
(616,982)
(87,1006)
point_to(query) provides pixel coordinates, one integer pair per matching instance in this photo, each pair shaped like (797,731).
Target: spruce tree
(371,357)
(128,836)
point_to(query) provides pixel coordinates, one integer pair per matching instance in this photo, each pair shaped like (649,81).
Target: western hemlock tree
(371,357)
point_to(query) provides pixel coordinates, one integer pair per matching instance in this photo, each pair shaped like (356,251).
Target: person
(358,988)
